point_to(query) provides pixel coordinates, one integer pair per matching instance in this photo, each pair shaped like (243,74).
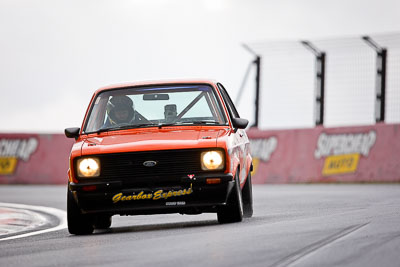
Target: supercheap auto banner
(34,158)
(345,154)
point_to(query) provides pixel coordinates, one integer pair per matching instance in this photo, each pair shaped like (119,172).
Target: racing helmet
(120,103)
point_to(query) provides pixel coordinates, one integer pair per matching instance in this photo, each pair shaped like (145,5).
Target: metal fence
(290,81)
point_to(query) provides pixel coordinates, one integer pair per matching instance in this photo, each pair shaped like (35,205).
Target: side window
(228,101)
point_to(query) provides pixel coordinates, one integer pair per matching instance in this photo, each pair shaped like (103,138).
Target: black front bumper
(190,196)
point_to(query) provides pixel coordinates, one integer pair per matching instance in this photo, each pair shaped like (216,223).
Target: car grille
(171,165)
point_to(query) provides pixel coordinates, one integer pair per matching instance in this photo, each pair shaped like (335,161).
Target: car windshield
(154,106)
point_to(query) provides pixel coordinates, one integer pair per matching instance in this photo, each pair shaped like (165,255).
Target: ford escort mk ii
(157,148)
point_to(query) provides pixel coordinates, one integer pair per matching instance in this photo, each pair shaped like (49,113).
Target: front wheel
(233,210)
(247,195)
(78,223)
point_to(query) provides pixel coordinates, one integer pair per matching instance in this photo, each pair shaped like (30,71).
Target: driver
(120,110)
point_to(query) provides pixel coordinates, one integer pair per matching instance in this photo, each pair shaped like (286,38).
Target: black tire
(102,222)
(78,223)
(247,195)
(233,210)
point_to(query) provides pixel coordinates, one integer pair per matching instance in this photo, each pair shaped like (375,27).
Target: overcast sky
(55,53)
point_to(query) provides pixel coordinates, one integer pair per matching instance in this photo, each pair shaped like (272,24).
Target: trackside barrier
(345,154)
(34,158)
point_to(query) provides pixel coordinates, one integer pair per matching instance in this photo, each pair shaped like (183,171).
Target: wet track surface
(293,225)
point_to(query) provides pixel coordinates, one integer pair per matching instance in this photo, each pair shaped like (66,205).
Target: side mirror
(72,132)
(239,123)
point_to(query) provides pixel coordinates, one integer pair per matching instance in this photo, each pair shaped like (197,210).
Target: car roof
(162,82)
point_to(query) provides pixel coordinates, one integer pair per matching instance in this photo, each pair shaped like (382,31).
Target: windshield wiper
(144,125)
(160,125)
(206,122)
(131,126)
(187,122)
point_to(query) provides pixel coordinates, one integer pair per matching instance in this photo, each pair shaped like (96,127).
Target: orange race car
(155,148)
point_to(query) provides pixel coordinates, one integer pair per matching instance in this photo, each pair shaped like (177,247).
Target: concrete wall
(345,154)
(34,158)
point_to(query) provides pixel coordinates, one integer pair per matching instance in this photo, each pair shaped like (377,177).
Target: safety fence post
(257,63)
(320,58)
(380,85)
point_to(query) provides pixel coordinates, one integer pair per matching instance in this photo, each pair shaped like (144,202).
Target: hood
(152,139)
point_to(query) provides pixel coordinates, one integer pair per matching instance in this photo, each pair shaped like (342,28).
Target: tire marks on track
(308,250)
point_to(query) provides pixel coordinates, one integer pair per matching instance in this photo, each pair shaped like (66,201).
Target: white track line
(60,214)
(21,220)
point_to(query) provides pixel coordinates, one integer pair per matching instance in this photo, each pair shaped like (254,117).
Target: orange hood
(153,139)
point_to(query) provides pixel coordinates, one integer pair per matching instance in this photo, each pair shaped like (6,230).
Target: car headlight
(88,167)
(212,160)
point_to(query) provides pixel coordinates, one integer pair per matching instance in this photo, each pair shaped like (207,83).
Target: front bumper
(190,196)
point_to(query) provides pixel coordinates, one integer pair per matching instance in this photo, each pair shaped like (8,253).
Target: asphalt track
(293,225)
